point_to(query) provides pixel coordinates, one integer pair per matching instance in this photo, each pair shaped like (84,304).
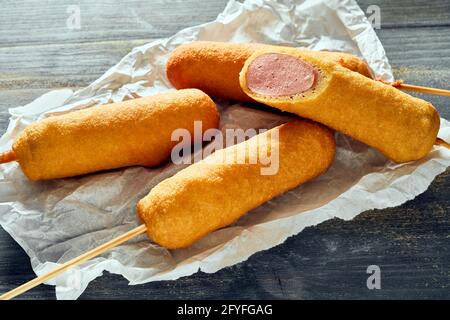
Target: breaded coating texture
(402,127)
(214,66)
(134,132)
(213,193)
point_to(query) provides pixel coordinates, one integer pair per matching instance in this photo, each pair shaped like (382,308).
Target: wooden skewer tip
(8,156)
(443,143)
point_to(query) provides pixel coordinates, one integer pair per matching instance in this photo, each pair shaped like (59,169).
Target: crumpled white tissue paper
(55,221)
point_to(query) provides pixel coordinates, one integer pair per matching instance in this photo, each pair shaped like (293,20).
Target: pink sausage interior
(276,74)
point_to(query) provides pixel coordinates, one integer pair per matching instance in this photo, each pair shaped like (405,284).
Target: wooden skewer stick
(84,257)
(410,87)
(7,156)
(439,92)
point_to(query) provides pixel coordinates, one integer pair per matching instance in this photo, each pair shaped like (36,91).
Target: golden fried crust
(212,194)
(214,66)
(134,132)
(346,60)
(402,127)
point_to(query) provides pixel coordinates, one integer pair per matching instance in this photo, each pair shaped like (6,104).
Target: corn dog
(402,127)
(214,66)
(134,132)
(213,193)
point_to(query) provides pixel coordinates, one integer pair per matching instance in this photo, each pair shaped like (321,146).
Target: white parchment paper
(58,220)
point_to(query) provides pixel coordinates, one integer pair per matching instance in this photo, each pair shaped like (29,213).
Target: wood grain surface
(410,243)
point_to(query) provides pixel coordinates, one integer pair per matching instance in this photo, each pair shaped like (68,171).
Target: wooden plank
(61,65)
(33,22)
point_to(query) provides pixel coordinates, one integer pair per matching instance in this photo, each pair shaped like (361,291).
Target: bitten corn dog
(134,132)
(214,66)
(214,193)
(402,127)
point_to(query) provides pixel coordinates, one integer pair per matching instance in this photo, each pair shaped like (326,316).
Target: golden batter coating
(212,193)
(134,132)
(402,127)
(214,66)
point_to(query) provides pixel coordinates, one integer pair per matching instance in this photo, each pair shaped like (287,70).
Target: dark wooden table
(410,243)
